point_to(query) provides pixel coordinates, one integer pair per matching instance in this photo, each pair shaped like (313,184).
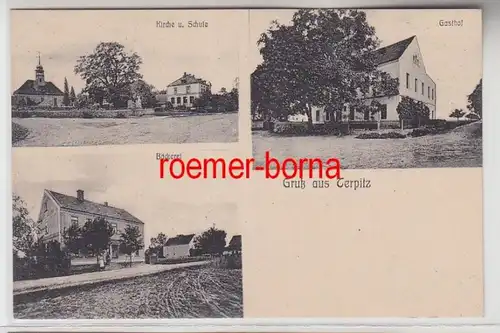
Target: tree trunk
(309,118)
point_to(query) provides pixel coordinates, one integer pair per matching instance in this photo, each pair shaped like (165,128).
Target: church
(38,92)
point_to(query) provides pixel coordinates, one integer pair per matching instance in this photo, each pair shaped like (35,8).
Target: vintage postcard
(100,241)
(109,77)
(377,89)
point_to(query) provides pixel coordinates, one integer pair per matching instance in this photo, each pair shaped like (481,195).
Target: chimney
(185,73)
(79,195)
(106,203)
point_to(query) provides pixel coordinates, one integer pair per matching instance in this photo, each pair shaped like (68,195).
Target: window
(191,99)
(423,88)
(74,220)
(416,85)
(184,100)
(351,113)
(172,100)
(178,100)
(327,116)
(432,93)
(428,92)
(115,228)
(188,89)
(367,114)
(407,81)
(175,91)
(383,111)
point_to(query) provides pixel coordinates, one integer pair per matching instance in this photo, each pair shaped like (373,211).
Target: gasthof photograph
(109,77)
(376,89)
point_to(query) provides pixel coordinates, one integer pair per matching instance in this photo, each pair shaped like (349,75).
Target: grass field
(52,132)
(205,292)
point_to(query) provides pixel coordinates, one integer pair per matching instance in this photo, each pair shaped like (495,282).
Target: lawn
(52,132)
(461,147)
(205,292)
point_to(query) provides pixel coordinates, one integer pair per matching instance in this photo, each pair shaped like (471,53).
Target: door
(114,251)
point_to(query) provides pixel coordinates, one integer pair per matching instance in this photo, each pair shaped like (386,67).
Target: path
(30,286)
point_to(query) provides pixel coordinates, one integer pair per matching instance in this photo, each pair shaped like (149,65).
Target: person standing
(101,261)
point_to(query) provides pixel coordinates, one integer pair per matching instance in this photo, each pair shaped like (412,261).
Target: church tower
(39,73)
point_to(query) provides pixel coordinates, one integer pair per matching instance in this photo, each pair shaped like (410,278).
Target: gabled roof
(187,79)
(86,206)
(235,242)
(29,88)
(392,52)
(179,240)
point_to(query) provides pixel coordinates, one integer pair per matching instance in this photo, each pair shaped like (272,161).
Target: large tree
(96,235)
(131,241)
(475,100)
(325,57)
(25,231)
(212,241)
(109,72)
(72,96)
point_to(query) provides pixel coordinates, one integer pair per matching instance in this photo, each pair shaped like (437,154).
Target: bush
(88,115)
(120,115)
(19,132)
(290,128)
(389,135)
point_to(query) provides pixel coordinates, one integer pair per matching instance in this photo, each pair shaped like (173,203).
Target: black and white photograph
(87,246)
(114,77)
(375,89)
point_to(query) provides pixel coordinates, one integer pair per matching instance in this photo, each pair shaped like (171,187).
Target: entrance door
(114,251)
(55,101)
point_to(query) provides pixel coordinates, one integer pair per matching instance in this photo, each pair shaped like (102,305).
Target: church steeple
(39,73)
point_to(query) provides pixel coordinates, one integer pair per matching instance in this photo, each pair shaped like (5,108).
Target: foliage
(475,100)
(131,241)
(224,101)
(323,58)
(25,231)
(147,92)
(96,235)
(290,128)
(159,240)
(472,116)
(72,96)
(212,241)
(457,113)
(413,111)
(66,100)
(73,239)
(109,73)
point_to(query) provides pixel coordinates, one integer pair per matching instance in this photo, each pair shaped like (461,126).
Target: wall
(44,100)
(176,251)
(416,71)
(49,218)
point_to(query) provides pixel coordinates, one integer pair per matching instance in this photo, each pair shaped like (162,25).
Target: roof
(179,240)
(392,52)
(187,79)
(235,242)
(28,88)
(86,206)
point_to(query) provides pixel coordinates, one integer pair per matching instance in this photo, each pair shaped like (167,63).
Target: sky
(124,181)
(61,37)
(451,55)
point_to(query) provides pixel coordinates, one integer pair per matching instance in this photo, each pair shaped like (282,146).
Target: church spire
(39,60)
(39,73)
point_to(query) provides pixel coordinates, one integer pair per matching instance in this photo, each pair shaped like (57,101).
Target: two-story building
(38,92)
(59,211)
(402,60)
(185,90)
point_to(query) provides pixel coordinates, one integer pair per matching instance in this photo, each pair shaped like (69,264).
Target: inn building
(38,92)
(59,211)
(402,60)
(185,90)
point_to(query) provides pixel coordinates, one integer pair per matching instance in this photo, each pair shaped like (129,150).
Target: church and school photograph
(119,83)
(87,247)
(376,89)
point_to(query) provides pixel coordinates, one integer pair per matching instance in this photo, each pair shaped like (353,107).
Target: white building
(402,60)
(185,90)
(38,92)
(179,246)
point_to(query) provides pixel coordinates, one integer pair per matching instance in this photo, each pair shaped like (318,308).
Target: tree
(457,113)
(66,100)
(157,243)
(109,72)
(212,241)
(472,116)
(131,241)
(96,235)
(145,91)
(475,100)
(324,57)
(25,232)
(73,239)
(412,111)
(72,96)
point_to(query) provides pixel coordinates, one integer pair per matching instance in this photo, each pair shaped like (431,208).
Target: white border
(491,77)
